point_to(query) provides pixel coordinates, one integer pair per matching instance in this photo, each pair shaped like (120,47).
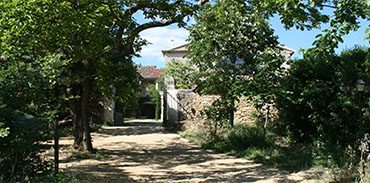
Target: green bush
(20,157)
(236,140)
(252,143)
(318,103)
(183,73)
(242,137)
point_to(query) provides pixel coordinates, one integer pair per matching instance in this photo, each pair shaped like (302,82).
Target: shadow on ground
(98,173)
(147,154)
(130,130)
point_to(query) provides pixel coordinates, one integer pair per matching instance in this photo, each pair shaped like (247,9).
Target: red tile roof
(150,72)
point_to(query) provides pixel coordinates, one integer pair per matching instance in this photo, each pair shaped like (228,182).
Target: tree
(65,36)
(340,16)
(216,45)
(183,73)
(227,43)
(95,40)
(318,102)
(25,110)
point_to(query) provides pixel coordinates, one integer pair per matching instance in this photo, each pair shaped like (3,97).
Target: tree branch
(203,2)
(133,33)
(133,10)
(328,6)
(113,13)
(154,24)
(118,40)
(128,50)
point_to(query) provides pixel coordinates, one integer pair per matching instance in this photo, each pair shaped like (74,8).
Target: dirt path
(146,153)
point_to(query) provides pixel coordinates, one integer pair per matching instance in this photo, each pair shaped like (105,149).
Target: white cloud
(160,39)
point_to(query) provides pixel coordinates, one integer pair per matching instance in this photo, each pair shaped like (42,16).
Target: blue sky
(298,39)
(160,39)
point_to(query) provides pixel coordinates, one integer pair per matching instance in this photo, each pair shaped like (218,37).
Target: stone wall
(245,112)
(193,105)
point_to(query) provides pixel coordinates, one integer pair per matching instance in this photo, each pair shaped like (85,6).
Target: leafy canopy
(318,101)
(182,71)
(229,44)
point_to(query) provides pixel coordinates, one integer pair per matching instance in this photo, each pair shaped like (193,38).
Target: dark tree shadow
(142,124)
(130,130)
(99,173)
(172,162)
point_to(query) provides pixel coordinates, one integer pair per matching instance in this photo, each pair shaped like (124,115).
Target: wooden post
(56,148)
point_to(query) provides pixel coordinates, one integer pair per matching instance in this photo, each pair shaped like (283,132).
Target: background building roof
(150,72)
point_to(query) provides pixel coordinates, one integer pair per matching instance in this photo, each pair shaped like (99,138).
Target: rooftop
(149,72)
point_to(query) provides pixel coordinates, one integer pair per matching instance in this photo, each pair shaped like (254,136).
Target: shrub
(242,137)
(251,143)
(236,140)
(218,113)
(318,103)
(183,73)
(20,157)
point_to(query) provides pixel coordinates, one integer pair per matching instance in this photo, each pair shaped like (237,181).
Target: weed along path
(144,152)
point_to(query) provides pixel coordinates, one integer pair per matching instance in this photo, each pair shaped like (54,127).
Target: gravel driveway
(144,152)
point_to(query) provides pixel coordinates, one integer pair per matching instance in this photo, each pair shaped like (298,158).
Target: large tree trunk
(76,117)
(85,96)
(231,106)
(231,119)
(80,117)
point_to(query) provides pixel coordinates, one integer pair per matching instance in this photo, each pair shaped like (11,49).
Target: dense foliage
(230,38)
(56,56)
(94,41)
(20,145)
(228,44)
(23,159)
(319,102)
(183,72)
(29,103)
(4,131)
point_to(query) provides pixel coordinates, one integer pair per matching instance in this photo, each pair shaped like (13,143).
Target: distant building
(186,103)
(179,54)
(148,75)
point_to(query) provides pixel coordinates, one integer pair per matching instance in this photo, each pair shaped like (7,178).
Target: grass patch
(251,143)
(291,159)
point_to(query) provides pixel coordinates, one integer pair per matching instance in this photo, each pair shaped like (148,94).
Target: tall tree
(227,44)
(230,35)
(95,40)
